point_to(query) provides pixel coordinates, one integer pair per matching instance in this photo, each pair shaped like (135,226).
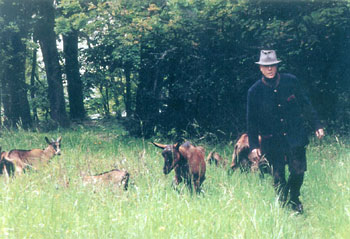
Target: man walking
(277,109)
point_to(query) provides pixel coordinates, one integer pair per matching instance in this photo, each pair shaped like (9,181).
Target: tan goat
(243,159)
(114,177)
(215,158)
(17,160)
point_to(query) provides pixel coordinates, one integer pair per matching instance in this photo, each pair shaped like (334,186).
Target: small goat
(17,160)
(242,157)
(187,161)
(214,157)
(113,177)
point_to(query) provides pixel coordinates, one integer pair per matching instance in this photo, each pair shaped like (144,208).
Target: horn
(59,139)
(47,140)
(162,146)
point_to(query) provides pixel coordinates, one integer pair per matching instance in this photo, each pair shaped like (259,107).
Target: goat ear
(162,146)
(47,140)
(59,139)
(177,146)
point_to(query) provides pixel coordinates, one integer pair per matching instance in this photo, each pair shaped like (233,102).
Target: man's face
(269,71)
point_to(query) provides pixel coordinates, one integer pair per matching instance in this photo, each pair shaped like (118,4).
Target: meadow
(52,202)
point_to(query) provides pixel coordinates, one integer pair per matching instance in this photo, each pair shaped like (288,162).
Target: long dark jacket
(280,112)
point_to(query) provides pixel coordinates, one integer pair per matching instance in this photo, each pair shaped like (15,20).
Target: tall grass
(51,202)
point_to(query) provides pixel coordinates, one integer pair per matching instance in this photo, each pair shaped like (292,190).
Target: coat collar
(265,82)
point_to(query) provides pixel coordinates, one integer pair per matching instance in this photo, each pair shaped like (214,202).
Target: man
(276,110)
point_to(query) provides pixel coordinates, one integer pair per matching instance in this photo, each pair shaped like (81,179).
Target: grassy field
(52,202)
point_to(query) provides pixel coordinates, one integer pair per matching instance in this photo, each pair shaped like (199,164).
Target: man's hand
(320,133)
(256,153)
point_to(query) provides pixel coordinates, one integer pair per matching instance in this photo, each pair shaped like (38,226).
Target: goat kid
(215,158)
(243,159)
(187,161)
(17,160)
(115,177)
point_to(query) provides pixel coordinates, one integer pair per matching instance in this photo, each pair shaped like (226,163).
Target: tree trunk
(106,101)
(14,88)
(147,103)
(15,22)
(47,40)
(0,106)
(128,91)
(32,85)
(75,86)
(1,96)
(5,97)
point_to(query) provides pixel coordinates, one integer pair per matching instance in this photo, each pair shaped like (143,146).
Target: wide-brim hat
(268,57)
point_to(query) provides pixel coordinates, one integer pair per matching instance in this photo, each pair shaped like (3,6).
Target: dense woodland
(171,67)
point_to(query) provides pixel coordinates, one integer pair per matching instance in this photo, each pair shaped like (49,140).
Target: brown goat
(113,177)
(187,161)
(215,158)
(242,157)
(17,160)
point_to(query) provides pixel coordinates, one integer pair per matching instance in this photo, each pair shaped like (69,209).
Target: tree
(112,56)
(71,20)
(183,67)
(75,86)
(47,39)
(14,33)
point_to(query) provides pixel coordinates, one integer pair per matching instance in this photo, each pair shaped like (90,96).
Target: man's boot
(295,181)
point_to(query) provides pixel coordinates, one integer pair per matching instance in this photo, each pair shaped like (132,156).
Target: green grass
(52,202)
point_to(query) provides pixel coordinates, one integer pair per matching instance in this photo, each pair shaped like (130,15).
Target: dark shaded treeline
(177,68)
(202,82)
(21,21)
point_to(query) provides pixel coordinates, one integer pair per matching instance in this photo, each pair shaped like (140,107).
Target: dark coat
(280,113)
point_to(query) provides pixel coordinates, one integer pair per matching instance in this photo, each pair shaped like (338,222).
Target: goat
(21,159)
(113,177)
(187,161)
(5,165)
(214,157)
(243,159)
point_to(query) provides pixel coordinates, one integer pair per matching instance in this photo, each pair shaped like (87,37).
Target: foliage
(183,67)
(214,45)
(15,25)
